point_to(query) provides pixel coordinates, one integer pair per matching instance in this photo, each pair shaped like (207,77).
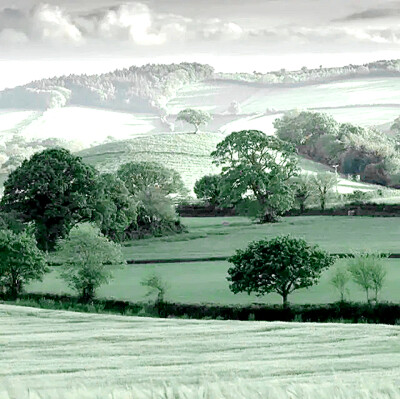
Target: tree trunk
(322,203)
(302,207)
(87,293)
(269,216)
(367,292)
(196,129)
(285,302)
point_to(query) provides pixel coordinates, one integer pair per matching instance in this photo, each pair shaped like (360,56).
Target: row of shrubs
(344,312)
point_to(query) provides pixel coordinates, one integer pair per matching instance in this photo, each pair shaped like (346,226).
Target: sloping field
(216,96)
(188,154)
(45,350)
(89,126)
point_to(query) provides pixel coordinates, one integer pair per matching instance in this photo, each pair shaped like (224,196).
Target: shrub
(87,257)
(368,272)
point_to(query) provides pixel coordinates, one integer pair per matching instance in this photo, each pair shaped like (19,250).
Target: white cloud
(12,36)
(51,23)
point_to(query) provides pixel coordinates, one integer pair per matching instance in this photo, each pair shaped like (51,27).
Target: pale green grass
(221,236)
(205,282)
(217,96)
(237,389)
(46,350)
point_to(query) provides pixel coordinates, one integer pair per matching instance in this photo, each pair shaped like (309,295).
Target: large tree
(88,259)
(282,265)
(115,209)
(54,189)
(260,166)
(323,185)
(20,261)
(194,117)
(309,131)
(208,189)
(151,185)
(141,176)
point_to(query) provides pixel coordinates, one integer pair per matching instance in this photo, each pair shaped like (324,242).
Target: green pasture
(198,282)
(208,237)
(221,236)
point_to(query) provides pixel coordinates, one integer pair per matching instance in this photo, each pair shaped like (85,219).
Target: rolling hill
(107,136)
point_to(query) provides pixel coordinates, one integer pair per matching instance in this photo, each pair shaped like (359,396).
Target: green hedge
(383,313)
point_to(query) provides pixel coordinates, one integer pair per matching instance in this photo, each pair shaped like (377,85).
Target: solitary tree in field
(54,189)
(282,265)
(20,261)
(323,184)
(88,259)
(368,272)
(194,117)
(260,167)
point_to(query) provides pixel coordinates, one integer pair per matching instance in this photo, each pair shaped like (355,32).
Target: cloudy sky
(40,39)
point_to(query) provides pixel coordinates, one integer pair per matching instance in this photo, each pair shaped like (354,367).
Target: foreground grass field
(63,352)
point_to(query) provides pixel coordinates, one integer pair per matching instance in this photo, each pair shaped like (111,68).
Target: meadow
(66,354)
(195,282)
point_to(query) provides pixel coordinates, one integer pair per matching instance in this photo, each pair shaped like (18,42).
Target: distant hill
(137,89)
(147,89)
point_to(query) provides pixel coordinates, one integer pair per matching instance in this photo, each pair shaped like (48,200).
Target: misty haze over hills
(149,88)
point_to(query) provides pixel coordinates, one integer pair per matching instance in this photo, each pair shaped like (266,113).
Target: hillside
(108,134)
(56,351)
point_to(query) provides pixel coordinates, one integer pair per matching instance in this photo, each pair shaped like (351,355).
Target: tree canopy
(282,265)
(208,189)
(141,176)
(20,261)
(260,166)
(115,209)
(88,259)
(54,189)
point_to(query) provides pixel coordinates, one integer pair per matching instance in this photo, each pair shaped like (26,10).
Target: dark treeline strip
(217,259)
(347,312)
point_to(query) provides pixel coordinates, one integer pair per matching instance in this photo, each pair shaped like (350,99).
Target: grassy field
(205,282)
(63,352)
(212,237)
(216,96)
(207,237)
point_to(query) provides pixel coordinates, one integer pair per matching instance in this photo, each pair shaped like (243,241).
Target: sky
(54,37)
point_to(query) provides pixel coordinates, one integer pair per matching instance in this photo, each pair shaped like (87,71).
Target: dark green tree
(141,176)
(208,189)
(260,166)
(20,261)
(115,209)
(55,190)
(282,265)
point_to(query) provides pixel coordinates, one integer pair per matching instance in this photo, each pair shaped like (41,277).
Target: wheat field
(56,354)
